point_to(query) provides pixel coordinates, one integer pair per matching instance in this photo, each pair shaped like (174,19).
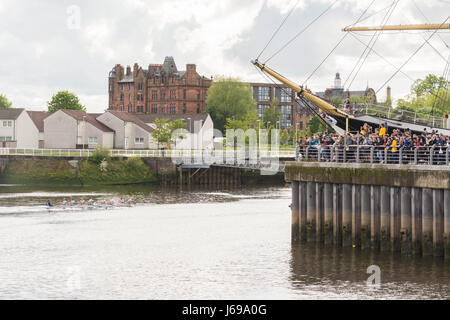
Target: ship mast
(322,104)
(400,27)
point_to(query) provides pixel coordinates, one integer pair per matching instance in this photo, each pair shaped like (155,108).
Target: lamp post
(190,133)
(296,134)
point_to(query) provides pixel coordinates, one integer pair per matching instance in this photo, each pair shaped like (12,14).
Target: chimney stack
(388,93)
(128,70)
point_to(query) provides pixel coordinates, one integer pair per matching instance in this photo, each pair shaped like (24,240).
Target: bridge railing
(423,155)
(155,153)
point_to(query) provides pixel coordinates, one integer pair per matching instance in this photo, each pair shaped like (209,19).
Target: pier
(392,208)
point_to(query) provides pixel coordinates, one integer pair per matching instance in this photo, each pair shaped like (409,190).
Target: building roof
(150,118)
(90,118)
(128,117)
(10,114)
(38,118)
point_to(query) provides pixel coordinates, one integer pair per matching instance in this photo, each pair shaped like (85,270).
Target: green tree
(64,100)
(272,113)
(4,102)
(429,85)
(315,125)
(228,98)
(337,101)
(164,129)
(284,137)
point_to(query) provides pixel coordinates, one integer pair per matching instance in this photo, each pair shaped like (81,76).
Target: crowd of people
(378,145)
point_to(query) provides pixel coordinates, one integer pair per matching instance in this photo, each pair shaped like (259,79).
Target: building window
(261,110)
(198,95)
(184,81)
(7,123)
(93,140)
(286,116)
(140,109)
(121,97)
(129,98)
(263,94)
(2,139)
(164,108)
(110,88)
(163,95)
(139,140)
(184,108)
(154,95)
(140,86)
(173,94)
(286,95)
(184,94)
(198,82)
(154,108)
(198,108)
(121,87)
(130,108)
(173,108)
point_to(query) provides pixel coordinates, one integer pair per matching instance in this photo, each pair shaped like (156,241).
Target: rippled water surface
(198,244)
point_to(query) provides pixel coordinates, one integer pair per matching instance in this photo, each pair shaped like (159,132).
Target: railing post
(371,154)
(446,156)
(400,156)
(307,153)
(431,155)
(332,154)
(416,151)
(357,154)
(385,160)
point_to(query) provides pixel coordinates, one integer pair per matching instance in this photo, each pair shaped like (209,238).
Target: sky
(52,45)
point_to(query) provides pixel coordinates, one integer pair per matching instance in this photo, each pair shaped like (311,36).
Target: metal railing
(376,154)
(175,153)
(398,114)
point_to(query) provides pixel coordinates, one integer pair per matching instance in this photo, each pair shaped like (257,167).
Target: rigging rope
(276,32)
(423,15)
(302,31)
(409,59)
(375,38)
(337,45)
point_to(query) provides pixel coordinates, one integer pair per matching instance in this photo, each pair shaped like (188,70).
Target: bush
(99,155)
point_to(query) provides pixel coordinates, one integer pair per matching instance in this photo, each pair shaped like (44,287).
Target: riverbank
(82,172)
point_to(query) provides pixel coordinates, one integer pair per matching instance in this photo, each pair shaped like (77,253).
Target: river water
(198,244)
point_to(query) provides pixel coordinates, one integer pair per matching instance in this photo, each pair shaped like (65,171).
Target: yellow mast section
(401,27)
(322,104)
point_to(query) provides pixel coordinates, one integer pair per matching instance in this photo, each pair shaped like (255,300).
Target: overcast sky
(52,45)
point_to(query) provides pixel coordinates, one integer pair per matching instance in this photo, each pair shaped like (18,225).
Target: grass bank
(61,172)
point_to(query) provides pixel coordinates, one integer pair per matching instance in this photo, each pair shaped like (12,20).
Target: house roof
(38,118)
(90,118)
(10,114)
(128,117)
(150,118)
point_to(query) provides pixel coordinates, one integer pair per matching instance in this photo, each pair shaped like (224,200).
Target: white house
(71,129)
(17,130)
(199,126)
(38,119)
(130,132)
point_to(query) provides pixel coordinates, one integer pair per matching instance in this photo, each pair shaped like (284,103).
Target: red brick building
(160,89)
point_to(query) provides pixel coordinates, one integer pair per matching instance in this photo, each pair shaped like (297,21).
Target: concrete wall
(394,208)
(60,131)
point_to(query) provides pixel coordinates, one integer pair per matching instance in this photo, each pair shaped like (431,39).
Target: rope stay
(279,28)
(337,45)
(302,31)
(375,38)
(410,57)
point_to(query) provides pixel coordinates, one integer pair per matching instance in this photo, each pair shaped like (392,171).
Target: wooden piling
(395,219)
(385,219)
(416,220)
(447,223)
(311,212)
(328,213)
(427,222)
(365,217)
(319,212)
(356,216)
(375,217)
(303,211)
(295,212)
(337,215)
(438,223)
(405,221)
(347,215)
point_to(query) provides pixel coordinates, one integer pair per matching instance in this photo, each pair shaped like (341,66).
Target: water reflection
(343,272)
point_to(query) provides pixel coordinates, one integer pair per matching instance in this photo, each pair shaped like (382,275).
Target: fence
(281,153)
(376,154)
